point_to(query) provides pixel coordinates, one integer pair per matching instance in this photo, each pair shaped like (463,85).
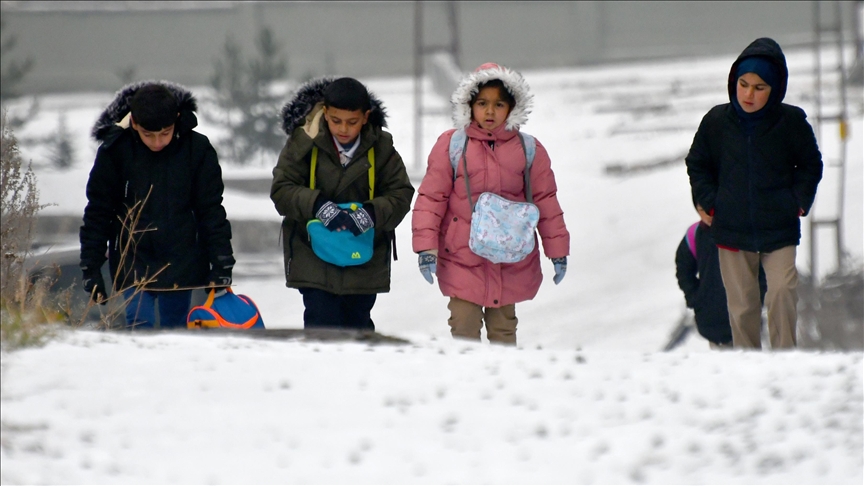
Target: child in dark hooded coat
(754,166)
(177,236)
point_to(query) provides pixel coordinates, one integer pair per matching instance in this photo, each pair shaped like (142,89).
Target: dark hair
(347,94)
(154,107)
(505,93)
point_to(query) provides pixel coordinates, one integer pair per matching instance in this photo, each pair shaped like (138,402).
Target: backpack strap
(528,141)
(459,142)
(458,145)
(371,157)
(691,238)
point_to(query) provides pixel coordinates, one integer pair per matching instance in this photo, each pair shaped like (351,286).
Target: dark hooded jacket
(756,184)
(304,123)
(181,227)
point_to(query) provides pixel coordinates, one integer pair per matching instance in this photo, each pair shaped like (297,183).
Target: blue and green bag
(342,248)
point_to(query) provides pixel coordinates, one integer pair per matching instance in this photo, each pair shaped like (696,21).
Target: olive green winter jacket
(294,200)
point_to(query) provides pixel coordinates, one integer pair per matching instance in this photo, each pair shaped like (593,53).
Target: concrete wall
(85,45)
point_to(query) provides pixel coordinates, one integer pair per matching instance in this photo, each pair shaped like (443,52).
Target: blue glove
(560,269)
(361,222)
(428,264)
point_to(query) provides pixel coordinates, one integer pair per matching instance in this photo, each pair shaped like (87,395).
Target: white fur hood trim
(514,82)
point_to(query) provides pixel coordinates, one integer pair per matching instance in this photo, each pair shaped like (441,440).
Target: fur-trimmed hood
(305,108)
(469,86)
(117,113)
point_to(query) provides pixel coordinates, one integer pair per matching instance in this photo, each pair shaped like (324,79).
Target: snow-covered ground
(97,408)
(586,397)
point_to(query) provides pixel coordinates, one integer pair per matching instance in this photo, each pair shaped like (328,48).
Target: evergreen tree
(12,74)
(62,149)
(245,97)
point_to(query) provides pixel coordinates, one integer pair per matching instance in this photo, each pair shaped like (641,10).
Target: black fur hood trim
(309,94)
(119,108)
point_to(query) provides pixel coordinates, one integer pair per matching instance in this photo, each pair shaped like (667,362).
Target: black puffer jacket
(182,223)
(756,184)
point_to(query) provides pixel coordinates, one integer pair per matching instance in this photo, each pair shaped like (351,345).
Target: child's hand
(361,221)
(428,261)
(705,217)
(560,269)
(333,217)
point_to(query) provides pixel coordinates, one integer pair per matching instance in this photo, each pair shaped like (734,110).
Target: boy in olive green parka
(344,121)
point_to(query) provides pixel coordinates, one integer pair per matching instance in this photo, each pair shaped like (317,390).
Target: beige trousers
(466,321)
(740,272)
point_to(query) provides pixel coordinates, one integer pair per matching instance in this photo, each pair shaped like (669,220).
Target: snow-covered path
(115,408)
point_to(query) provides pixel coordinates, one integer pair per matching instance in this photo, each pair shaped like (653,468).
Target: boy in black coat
(754,166)
(153,166)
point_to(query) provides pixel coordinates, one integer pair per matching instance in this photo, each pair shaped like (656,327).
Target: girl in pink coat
(490,104)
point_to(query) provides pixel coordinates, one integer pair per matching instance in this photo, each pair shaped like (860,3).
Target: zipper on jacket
(750,192)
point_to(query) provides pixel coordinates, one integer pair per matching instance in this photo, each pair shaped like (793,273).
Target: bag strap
(212,296)
(529,148)
(371,157)
(691,238)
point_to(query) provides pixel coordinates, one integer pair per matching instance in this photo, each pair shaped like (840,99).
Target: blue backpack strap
(459,139)
(691,238)
(530,148)
(457,145)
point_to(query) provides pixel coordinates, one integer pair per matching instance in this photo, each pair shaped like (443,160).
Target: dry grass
(24,302)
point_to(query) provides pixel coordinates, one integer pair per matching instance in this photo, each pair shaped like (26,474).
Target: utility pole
(440,62)
(828,32)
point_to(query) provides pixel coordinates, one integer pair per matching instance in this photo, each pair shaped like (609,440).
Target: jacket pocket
(455,247)
(781,209)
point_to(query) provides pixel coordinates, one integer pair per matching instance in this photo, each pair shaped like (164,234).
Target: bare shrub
(111,313)
(22,299)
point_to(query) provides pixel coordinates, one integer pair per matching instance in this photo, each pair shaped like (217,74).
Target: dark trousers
(141,308)
(324,309)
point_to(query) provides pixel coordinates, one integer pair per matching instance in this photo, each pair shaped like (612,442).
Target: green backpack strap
(371,156)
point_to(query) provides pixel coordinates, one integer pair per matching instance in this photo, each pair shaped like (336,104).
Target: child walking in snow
(153,164)
(754,166)
(338,153)
(489,106)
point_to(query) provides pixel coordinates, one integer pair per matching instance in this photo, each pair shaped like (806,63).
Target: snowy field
(586,397)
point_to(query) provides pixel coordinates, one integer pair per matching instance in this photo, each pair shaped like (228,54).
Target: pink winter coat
(441,217)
